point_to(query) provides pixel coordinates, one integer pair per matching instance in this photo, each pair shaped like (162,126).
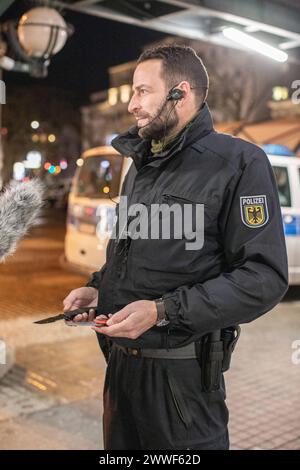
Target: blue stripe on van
(292,226)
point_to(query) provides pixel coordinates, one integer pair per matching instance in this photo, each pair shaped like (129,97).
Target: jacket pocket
(178,400)
(211,211)
(170,197)
(173,198)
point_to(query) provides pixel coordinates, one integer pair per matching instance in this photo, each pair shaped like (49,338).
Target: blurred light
(125,91)
(278,149)
(47,165)
(106,189)
(35,138)
(26,179)
(19,171)
(33,159)
(51,138)
(36,384)
(63,164)
(113,96)
(40,27)
(255,44)
(4,131)
(105,164)
(35,124)
(288,219)
(52,169)
(280,93)
(89,210)
(77,210)
(79,162)
(43,138)
(57,169)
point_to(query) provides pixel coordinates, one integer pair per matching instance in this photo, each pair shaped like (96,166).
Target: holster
(229,337)
(215,350)
(211,361)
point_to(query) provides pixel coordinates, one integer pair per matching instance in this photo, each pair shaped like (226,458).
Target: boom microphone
(157,115)
(20,205)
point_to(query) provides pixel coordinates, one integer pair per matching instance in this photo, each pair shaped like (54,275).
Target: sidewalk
(263,384)
(52,398)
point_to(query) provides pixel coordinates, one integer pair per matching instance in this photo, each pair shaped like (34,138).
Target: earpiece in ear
(175,95)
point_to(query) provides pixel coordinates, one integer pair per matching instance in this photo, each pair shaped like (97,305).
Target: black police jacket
(241,270)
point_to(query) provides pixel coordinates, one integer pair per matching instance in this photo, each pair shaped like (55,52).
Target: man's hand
(82,297)
(132,321)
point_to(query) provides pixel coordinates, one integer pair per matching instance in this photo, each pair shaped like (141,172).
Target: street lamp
(35,38)
(42,32)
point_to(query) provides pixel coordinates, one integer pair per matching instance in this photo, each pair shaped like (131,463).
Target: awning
(279,131)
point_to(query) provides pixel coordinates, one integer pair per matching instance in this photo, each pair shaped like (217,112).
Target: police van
(94,194)
(91,207)
(287,173)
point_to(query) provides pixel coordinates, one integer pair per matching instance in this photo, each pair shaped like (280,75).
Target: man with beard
(170,307)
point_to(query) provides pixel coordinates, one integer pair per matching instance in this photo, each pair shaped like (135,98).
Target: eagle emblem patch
(254,210)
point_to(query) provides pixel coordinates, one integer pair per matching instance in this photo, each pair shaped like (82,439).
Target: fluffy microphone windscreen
(20,205)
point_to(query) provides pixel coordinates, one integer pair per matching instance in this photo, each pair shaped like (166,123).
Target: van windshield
(99,177)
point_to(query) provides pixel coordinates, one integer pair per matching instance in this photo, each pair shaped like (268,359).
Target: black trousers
(158,404)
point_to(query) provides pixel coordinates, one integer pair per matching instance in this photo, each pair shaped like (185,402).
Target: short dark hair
(180,63)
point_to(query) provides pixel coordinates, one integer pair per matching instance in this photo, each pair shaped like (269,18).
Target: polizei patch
(254,210)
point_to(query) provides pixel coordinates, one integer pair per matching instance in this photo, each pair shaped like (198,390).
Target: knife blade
(66,315)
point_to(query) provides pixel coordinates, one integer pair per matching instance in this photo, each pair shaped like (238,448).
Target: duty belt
(185,352)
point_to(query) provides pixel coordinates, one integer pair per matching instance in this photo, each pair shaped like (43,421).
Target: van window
(99,177)
(282,179)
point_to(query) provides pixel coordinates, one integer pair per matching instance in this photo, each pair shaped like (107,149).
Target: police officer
(163,298)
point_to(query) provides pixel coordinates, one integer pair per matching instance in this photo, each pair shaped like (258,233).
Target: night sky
(95,45)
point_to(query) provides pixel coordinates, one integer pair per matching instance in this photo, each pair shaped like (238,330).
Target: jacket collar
(130,144)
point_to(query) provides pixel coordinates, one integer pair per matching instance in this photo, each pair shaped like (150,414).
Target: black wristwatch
(162,316)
